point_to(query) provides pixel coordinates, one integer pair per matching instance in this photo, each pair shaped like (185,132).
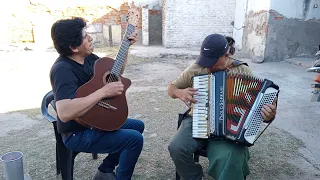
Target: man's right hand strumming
(112,89)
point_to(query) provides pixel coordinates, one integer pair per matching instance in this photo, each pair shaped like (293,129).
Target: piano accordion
(229,106)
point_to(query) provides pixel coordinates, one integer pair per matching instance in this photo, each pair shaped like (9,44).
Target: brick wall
(36,25)
(187,23)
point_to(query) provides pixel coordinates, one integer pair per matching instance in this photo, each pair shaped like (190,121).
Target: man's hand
(112,89)
(69,109)
(185,95)
(269,111)
(133,37)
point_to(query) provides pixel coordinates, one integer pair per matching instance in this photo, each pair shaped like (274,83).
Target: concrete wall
(101,35)
(293,29)
(155,27)
(275,30)
(300,9)
(151,27)
(187,23)
(151,21)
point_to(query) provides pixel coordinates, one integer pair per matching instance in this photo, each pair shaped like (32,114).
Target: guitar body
(103,115)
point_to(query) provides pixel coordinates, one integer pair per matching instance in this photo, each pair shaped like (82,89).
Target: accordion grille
(242,91)
(255,124)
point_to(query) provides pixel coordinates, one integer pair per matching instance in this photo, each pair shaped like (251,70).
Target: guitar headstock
(133,17)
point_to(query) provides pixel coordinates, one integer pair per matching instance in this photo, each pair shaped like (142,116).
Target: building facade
(268,30)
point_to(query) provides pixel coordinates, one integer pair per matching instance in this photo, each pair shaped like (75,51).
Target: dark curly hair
(66,33)
(231,41)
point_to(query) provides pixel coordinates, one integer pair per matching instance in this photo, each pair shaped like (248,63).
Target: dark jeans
(124,146)
(181,149)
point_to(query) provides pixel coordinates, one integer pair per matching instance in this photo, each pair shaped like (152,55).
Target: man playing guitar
(72,69)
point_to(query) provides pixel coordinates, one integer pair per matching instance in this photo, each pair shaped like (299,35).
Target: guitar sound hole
(111,78)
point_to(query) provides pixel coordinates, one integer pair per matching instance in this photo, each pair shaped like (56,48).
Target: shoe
(104,176)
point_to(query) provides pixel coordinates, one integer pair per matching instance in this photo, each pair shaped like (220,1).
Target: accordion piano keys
(200,108)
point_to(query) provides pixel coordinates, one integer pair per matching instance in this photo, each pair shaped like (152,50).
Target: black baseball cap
(213,47)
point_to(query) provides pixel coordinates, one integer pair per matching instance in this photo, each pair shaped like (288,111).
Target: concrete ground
(288,149)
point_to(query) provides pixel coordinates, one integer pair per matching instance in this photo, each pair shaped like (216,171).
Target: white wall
(258,5)
(150,3)
(239,19)
(145,26)
(187,23)
(296,8)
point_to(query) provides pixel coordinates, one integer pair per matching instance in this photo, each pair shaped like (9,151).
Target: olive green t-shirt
(185,78)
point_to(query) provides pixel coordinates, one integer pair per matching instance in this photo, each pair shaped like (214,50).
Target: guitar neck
(122,53)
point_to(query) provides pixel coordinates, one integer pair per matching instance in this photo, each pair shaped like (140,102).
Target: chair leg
(57,160)
(177,176)
(70,166)
(58,144)
(94,155)
(64,156)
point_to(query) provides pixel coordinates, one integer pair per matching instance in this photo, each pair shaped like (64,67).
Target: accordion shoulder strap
(236,63)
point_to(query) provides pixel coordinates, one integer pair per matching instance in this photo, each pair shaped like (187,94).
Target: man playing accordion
(227,160)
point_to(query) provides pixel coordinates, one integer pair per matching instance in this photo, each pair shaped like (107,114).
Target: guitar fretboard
(122,53)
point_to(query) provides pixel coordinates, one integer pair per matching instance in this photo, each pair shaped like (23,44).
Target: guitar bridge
(106,105)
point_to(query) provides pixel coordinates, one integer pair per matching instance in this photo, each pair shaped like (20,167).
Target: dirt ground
(277,154)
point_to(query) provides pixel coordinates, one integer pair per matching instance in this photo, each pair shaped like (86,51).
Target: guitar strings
(112,77)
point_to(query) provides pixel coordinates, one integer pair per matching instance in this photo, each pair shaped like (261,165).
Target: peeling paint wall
(255,30)
(293,29)
(275,30)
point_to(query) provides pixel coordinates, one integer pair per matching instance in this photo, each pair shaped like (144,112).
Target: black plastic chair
(197,154)
(64,156)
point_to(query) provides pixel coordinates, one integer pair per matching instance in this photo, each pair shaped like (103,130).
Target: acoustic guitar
(110,113)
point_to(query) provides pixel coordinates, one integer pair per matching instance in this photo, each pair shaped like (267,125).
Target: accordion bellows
(229,106)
